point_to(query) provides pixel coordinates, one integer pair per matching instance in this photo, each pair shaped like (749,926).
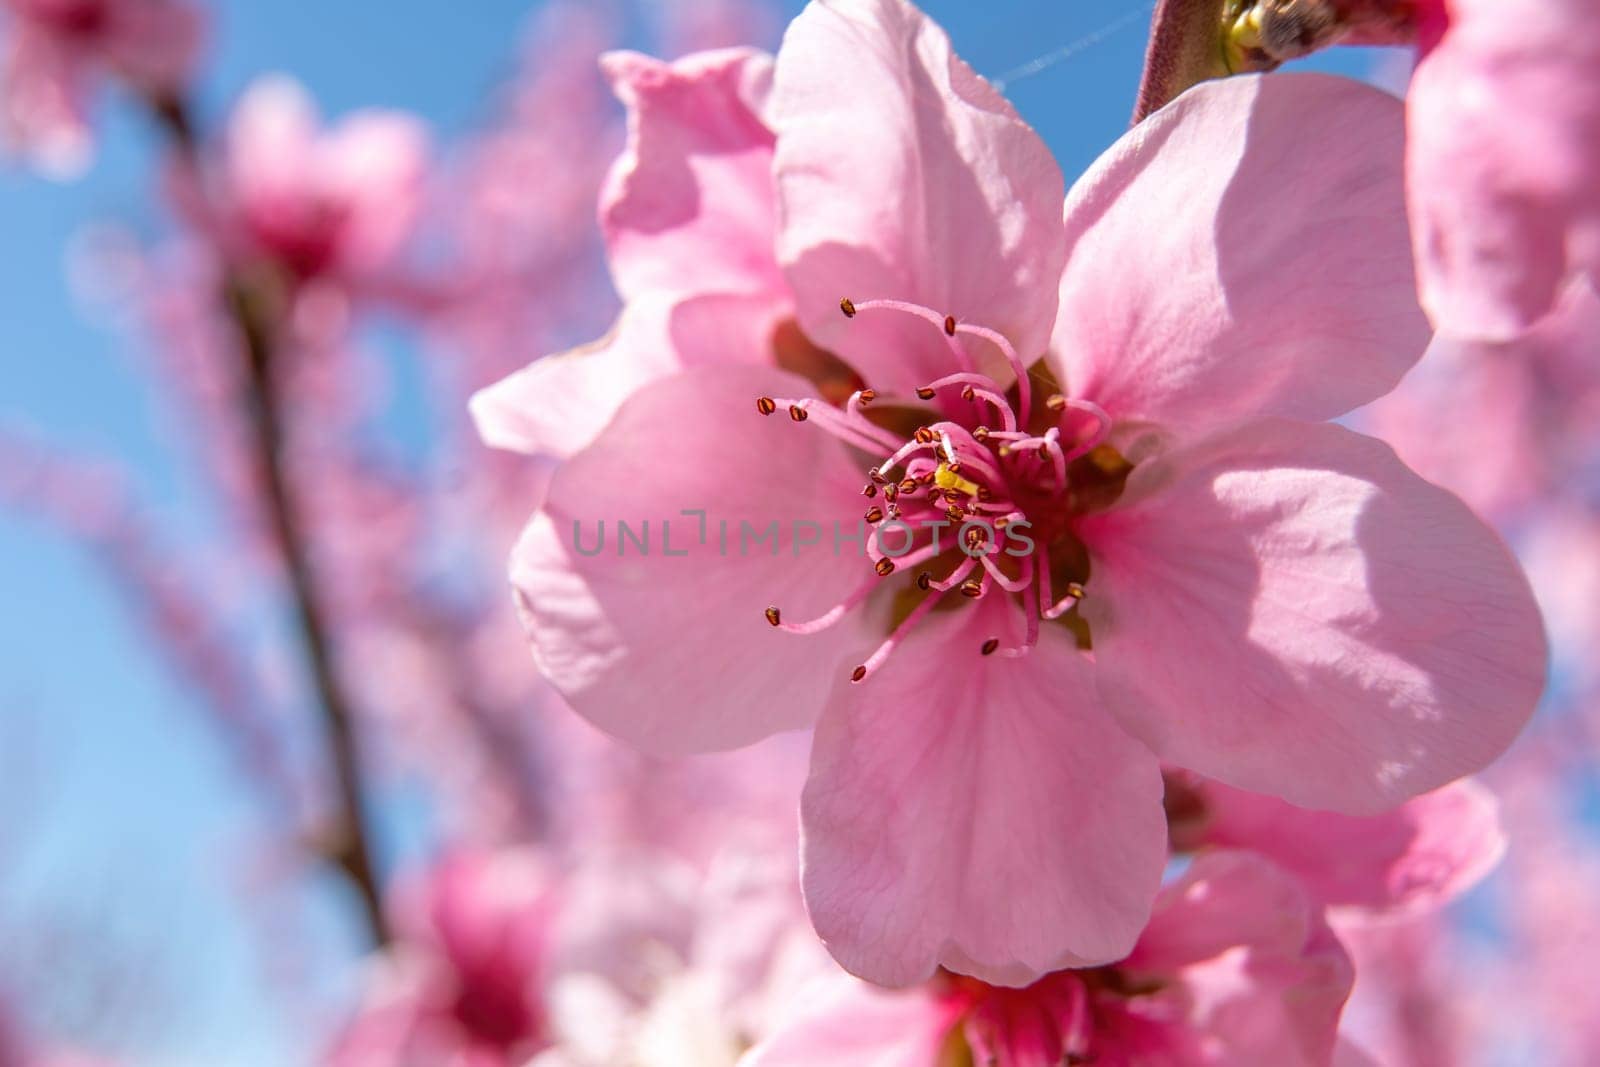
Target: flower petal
(903,175)
(1243,253)
(668,649)
(1287,608)
(1419,856)
(1263,980)
(981,814)
(556,405)
(845,1021)
(690,205)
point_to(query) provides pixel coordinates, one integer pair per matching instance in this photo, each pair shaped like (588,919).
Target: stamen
(849,426)
(1074,590)
(1090,443)
(980,387)
(963,359)
(1024,390)
(1010,585)
(1030,613)
(827,618)
(882,652)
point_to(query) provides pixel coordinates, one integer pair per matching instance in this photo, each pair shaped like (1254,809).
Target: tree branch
(349,844)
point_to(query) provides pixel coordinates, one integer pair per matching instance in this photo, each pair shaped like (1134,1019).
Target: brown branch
(349,844)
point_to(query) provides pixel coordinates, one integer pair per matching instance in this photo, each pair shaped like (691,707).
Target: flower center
(979,495)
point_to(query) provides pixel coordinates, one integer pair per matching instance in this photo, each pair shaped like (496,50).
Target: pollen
(947,479)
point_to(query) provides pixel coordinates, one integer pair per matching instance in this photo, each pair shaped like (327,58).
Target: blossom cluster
(1205,528)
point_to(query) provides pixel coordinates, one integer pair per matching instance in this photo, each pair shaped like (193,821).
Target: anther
(797,413)
(876,475)
(990,645)
(869,490)
(981,434)
(774,617)
(925,579)
(868,396)
(1056,403)
(908,485)
(874,515)
(926,478)
(924,436)
(848,306)
(891,492)
(925,393)
(972,588)
(766,405)
(884,567)
(859,673)
(968,393)
(1076,591)
(950,325)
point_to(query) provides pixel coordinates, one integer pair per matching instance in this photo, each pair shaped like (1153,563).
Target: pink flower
(56,51)
(1410,860)
(334,205)
(468,990)
(1213,577)
(1504,159)
(1236,966)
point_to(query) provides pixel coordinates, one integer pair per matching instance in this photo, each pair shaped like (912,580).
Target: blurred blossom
(57,52)
(1504,159)
(335,204)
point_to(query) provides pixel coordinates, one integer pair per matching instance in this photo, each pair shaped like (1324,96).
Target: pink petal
(981,814)
(1243,252)
(1504,162)
(556,405)
(1262,978)
(690,206)
(671,652)
(903,175)
(1288,609)
(271,142)
(843,1021)
(375,162)
(1421,855)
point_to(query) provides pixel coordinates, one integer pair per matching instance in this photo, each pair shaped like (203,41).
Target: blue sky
(119,815)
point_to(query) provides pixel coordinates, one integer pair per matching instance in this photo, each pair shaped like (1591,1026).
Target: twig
(350,844)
